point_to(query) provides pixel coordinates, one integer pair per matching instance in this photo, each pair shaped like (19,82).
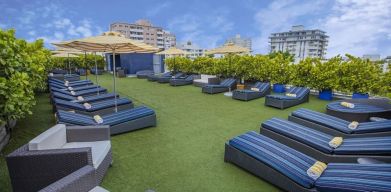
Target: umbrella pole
(115,95)
(85,63)
(69,65)
(96,72)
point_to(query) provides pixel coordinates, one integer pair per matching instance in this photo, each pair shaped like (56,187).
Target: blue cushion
(343,177)
(358,108)
(228,82)
(299,91)
(83,92)
(94,106)
(363,146)
(286,160)
(262,86)
(63,96)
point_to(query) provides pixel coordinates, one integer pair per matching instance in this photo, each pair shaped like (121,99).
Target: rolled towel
(254,89)
(336,142)
(72,111)
(70,88)
(66,83)
(316,170)
(80,98)
(73,93)
(98,119)
(347,104)
(290,95)
(51,74)
(353,125)
(87,106)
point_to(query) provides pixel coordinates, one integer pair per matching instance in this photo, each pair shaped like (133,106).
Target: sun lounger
(97,108)
(185,80)
(167,79)
(70,84)
(87,99)
(75,88)
(339,127)
(287,168)
(83,93)
(294,96)
(259,90)
(155,77)
(120,122)
(224,86)
(144,74)
(316,143)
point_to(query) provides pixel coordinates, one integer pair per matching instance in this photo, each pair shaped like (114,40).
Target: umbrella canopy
(64,55)
(228,48)
(173,51)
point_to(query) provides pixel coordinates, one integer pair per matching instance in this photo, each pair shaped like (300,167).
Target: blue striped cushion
(299,91)
(63,96)
(345,177)
(313,138)
(362,146)
(370,127)
(228,82)
(262,86)
(74,118)
(84,92)
(281,97)
(358,108)
(85,87)
(94,106)
(286,160)
(323,119)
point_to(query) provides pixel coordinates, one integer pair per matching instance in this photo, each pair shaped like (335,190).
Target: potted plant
(325,77)
(359,76)
(280,72)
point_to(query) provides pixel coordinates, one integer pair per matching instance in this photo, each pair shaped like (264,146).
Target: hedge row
(79,62)
(351,75)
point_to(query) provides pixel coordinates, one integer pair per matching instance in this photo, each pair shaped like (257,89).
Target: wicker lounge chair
(247,95)
(285,101)
(97,108)
(144,74)
(287,168)
(155,77)
(70,82)
(185,80)
(58,153)
(316,143)
(167,79)
(53,88)
(226,85)
(83,93)
(120,122)
(87,99)
(339,127)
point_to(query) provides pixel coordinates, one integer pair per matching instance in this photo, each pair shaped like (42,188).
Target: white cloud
(32,33)
(62,23)
(153,11)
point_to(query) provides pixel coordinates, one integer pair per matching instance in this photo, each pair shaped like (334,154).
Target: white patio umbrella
(109,42)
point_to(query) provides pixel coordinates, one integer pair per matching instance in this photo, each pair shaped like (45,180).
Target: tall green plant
(204,65)
(325,75)
(261,68)
(302,72)
(280,72)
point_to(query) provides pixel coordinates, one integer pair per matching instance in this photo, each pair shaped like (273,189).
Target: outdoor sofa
(185,80)
(316,143)
(58,153)
(294,96)
(225,86)
(144,74)
(154,77)
(260,89)
(287,168)
(87,99)
(96,108)
(119,122)
(205,80)
(339,127)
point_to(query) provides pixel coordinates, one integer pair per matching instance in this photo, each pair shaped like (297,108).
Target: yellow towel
(72,111)
(87,105)
(70,88)
(316,170)
(80,98)
(353,125)
(347,104)
(254,89)
(73,93)
(98,119)
(336,142)
(290,95)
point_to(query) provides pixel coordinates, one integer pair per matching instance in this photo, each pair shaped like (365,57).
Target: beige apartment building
(143,30)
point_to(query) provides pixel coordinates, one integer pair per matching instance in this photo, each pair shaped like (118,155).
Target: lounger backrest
(282,158)
(228,82)
(74,118)
(189,77)
(167,74)
(299,91)
(262,86)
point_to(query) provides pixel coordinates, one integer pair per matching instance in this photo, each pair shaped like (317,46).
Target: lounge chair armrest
(81,180)
(88,133)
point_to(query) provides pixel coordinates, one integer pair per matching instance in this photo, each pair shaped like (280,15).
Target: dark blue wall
(132,62)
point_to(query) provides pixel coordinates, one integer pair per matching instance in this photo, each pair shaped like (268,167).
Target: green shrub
(303,71)
(260,68)
(79,63)
(325,75)
(280,68)
(204,65)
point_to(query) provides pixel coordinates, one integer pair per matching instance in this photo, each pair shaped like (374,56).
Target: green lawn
(184,152)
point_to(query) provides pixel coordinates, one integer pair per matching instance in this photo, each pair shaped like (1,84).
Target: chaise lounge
(185,80)
(317,144)
(259,90)
(155,77)
(120,122)
(80,99)
(339,127)
(167,79)
(226,85)
(54,88)
(144,74)
(294,96)
(61,152)
(96,108)
(287,168)
(83,93)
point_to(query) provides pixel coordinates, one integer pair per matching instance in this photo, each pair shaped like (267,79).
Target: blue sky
(354,26)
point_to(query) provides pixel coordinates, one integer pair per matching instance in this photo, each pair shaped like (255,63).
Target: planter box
(360,96)
(326,95)
(278,88)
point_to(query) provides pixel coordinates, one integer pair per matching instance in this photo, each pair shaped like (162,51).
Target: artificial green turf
(185,151)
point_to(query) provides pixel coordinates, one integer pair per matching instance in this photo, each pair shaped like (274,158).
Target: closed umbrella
(110,42)
(173,51)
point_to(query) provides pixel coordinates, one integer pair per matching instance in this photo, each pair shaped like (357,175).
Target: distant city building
(240,41)
(300,42)
(194,50)
(372,57)
(144,31)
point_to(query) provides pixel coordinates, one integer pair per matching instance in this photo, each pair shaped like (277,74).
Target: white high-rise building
(194,50)
(240,41)
(300,42)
